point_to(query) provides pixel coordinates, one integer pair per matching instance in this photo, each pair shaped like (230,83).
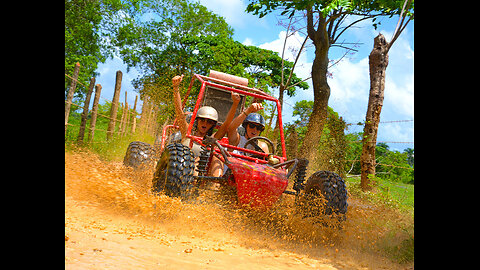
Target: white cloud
(349,86)
(399,95)
(247,42)
(293,44)
(399,85)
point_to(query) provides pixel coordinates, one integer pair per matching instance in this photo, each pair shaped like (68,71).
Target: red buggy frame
(258,184)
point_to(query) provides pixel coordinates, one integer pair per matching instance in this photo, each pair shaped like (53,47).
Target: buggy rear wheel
(139,155)
(325,194)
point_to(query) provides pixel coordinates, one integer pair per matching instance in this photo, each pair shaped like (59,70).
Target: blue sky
(350,77)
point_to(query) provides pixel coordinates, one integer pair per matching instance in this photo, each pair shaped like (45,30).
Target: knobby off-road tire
(174,172)
(139,155)
(325,193)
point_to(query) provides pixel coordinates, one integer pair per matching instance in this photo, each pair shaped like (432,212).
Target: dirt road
(112,222)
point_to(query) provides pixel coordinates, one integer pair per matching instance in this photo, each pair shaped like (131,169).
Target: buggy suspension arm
(202,177)
(295,161)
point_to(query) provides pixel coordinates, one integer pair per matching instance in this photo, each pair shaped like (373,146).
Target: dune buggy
(257,179)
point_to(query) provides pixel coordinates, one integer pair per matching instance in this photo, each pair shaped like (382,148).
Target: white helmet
(208,113)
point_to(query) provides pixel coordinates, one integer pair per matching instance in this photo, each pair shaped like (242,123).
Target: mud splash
(124,193)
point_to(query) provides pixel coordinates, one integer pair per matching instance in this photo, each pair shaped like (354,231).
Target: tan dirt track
(113,222)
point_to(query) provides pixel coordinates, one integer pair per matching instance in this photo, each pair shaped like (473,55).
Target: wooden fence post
(134,120)
(119,131)
(93,120)
(83,123)
(124,117)
(114,108)
(127,117)
(127,120)
(73,85)
(143,115)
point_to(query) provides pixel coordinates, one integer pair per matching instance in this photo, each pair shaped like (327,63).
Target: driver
(253,123)
(205,122)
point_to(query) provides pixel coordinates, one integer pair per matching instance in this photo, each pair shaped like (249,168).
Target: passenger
(252,122)
(205,122)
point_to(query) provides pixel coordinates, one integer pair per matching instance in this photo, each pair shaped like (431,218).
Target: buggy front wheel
(174,171)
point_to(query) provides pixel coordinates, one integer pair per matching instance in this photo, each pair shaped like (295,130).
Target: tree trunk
(93,120)
(321,93)
(71,91)
(83,123)
(378,61)
(114,108)
(134,118)
(321,90)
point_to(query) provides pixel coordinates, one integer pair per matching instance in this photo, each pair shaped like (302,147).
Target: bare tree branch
(296,60)
(295,84)
(400,25)
(284,45)
(357,21)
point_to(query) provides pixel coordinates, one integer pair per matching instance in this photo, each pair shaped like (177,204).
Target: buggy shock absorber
(203,161)
(300,176)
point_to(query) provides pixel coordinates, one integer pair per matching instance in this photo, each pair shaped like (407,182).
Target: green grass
(389,193)
(403,193)
(113,150)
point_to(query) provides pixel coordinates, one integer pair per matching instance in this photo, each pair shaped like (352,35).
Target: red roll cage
(237,88)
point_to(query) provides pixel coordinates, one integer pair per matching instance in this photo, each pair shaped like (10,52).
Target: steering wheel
(253,142)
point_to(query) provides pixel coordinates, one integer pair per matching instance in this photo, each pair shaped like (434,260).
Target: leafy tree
(82,19)
(194,51)
(398,170)
(303,109)
(88,28)
(410,159)
(158,45)
(391,165)
(185,38)
(381,149)
(262,67)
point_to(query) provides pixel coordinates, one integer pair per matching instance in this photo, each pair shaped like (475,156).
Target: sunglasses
(210,121)
(258,127)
